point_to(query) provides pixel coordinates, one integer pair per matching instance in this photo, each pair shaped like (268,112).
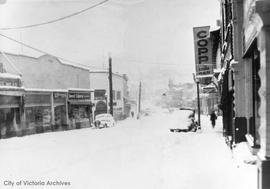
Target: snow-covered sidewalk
(135,154)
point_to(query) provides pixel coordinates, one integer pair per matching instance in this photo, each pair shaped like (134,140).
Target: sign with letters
(79,96)
(203,51)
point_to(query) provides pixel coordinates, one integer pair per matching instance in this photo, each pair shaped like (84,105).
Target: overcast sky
(140,35)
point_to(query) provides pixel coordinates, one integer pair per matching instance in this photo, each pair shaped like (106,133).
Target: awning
(77,102)
(204,76)
(11,91)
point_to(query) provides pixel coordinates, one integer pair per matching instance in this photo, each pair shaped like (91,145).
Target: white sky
(141,35)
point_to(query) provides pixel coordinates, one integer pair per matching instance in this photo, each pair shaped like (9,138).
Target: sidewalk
(243,162)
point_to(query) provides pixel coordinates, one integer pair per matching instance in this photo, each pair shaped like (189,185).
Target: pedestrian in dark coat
(213,118)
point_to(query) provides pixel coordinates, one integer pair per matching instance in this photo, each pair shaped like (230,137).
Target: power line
(44,52)
(124,2)
(145,62)
(55,20)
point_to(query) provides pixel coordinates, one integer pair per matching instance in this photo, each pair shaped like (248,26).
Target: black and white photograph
(134,94)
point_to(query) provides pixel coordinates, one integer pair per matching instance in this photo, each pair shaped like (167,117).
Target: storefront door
(255,96)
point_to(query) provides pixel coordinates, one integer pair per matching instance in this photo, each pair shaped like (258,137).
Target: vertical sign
(203,51)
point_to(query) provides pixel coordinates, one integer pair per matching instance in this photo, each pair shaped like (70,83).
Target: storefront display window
(8,122)
(38,117)
(80,114)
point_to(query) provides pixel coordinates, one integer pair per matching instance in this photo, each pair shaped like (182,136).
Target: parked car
(186,120)
(104,120)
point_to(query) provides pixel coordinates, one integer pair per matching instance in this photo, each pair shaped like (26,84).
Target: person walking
(213,118)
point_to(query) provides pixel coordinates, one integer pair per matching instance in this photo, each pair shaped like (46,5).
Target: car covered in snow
(104,120)
(185,120)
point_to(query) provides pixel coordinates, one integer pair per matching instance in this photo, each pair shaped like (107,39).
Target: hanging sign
(203,51)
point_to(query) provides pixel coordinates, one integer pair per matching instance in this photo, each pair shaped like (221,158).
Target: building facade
(11,104)
(99,81)
(42,94)
(244,81)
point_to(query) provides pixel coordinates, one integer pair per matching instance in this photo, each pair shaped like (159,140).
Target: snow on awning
(11,91)
(218,70)
(45,90)
(221,74)
(9,76)
(204,76)
(80,89)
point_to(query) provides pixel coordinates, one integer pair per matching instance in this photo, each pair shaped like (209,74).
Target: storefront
(256,51)
(100,99)
(10,115)
(60,110)
(80,108)
(37,111)
(11,105)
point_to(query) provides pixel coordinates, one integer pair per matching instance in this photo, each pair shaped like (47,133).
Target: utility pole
(199,105)
(139,103)
(196,80)
(110,86)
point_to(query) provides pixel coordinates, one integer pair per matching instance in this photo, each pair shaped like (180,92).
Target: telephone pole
(139,103)
(110,86)
(196,80)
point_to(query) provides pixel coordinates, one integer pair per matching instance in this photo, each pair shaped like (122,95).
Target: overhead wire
(145,62)
(125,2)
(55,20)
(44,52)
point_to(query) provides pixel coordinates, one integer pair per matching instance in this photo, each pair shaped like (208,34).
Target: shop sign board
(79,96)
(37,99)
(100,98)
(57,95)
(9,82)
(209,90)
(203,51)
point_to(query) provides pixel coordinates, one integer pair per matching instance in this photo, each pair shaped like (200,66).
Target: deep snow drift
(135,154)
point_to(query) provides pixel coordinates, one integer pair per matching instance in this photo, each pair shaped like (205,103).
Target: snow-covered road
(135,154)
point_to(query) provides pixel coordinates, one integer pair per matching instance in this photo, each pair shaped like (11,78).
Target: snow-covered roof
(20,57)
(11,88)
(9,76)
(45,90)
(80,89)
(65,62)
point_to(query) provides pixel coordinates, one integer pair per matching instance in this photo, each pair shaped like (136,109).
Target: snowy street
(135,154)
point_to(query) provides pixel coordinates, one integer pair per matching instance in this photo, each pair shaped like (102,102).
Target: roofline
(67,64)
(81,89)
(45,90)
(58,90)
(36,58)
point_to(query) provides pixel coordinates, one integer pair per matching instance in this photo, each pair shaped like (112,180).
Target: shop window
(60,115)
(118,95)
(79,112)
(99,94)
(38,116)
